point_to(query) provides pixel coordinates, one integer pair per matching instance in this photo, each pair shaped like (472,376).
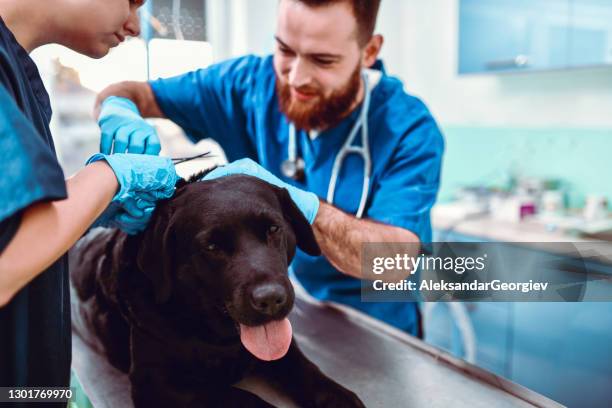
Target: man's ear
(155,254)
(372,50)
(301,227)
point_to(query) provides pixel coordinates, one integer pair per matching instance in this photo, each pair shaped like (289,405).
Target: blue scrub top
(35,344)
(235,103)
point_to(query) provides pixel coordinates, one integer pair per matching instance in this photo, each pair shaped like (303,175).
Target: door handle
(520,61)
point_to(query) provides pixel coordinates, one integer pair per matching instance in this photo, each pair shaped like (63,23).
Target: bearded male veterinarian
(321,94)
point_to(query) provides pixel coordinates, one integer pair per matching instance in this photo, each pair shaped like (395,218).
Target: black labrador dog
(201,298)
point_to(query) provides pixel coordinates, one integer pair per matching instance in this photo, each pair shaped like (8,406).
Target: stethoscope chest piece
(294,169)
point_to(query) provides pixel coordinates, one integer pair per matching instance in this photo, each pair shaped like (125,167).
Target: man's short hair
(365,11)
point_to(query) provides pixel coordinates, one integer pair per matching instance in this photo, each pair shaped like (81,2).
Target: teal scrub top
(235,103)
(35,343)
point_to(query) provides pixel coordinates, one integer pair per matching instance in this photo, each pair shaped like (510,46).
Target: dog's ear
(155,254)
(303,232)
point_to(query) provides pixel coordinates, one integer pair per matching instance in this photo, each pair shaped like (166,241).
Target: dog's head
(222,248)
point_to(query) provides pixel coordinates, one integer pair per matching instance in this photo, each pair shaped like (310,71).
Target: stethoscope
(294,166)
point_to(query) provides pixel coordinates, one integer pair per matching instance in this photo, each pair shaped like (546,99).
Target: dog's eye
(212,247)
(273,229)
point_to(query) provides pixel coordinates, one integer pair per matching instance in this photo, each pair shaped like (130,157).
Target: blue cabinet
(590,33)
(511,35)
(561,350)
(564,351)
(533,35)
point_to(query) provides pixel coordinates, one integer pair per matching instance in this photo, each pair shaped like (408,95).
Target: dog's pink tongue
(269,341)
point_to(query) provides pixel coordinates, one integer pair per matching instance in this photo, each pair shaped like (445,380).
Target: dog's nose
(269,298)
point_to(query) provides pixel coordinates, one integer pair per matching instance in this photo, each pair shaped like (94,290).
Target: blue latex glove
(143,180)
(131,221)
(306,201)
(121,123)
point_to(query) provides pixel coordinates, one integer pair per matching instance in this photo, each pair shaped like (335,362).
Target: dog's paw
(336,396)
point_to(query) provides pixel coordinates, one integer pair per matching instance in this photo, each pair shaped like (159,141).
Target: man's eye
(272,229)
(286,51)
(323,62)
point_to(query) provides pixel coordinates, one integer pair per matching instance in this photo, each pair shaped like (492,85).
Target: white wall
(238,27)
(421,48)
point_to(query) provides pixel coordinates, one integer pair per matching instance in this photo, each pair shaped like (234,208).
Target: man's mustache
(306,90)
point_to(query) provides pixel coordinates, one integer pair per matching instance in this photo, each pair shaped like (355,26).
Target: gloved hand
(306,201)
(143,180)
(121,123)
(131,221)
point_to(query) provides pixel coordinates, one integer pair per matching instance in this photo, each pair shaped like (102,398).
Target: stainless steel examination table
(385,367)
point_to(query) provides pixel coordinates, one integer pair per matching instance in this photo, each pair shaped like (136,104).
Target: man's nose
(132,25)
(299,74)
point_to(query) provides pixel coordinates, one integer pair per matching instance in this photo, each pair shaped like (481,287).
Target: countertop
(528,232)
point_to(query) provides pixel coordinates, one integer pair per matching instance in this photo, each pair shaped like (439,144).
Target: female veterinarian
(41,214)
(320,122)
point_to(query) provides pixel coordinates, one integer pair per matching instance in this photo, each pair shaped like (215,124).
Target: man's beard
(325,112)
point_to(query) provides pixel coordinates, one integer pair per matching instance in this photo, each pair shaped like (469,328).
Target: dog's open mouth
(268,341)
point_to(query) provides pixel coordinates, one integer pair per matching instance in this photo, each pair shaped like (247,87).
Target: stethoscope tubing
(346,149)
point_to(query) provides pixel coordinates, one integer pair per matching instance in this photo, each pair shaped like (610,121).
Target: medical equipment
(179,160)
(294,166)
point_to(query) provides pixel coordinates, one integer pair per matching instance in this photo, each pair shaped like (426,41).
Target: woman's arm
(49,229)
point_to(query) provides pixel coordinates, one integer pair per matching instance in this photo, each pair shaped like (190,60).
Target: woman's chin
(100,51)
(96,51)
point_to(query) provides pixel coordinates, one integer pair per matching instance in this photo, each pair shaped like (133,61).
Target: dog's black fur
(165,304)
